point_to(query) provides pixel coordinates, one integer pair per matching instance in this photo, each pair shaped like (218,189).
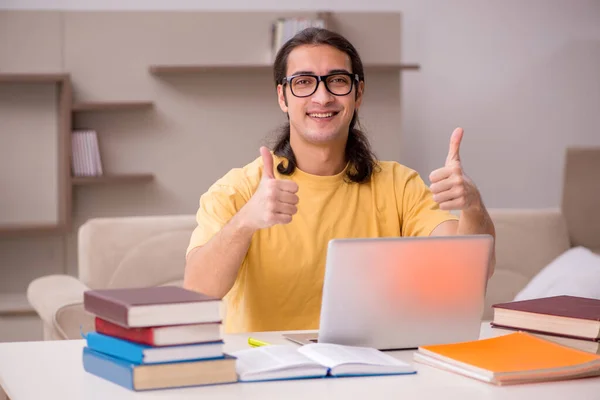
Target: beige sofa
(149,251)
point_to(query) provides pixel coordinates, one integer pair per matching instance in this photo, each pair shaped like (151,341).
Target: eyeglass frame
(321,78)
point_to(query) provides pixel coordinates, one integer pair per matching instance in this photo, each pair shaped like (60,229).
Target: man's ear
(360,88)
(281,98)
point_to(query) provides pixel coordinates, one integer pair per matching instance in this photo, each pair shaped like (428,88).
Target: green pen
(257,343)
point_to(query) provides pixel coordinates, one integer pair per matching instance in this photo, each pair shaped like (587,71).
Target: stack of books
(156,338)
(567,320)
(85,153)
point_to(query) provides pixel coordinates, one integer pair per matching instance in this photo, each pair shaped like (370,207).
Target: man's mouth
(322,115)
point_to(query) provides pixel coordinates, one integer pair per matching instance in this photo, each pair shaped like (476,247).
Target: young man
(263,229)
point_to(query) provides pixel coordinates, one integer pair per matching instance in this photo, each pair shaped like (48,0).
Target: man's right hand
(274,202)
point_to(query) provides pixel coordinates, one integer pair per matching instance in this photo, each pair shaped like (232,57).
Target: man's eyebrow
(303,73)
(331,71)
(339,71)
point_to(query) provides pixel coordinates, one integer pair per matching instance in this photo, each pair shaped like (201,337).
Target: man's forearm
(474,221)
(212,269)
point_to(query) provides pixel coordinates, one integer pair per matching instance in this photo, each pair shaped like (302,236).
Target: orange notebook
(514,358)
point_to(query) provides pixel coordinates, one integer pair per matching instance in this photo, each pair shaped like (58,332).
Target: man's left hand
(451,188)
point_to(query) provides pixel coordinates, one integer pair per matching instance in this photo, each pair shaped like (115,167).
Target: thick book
(163,335)
(145,354)
(589,345)
(564,315)
(159,376)
(511,359)
(319,360)
(152,306)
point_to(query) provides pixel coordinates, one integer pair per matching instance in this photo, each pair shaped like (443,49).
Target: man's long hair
(359,155)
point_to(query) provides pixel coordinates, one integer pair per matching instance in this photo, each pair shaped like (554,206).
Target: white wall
(522,78)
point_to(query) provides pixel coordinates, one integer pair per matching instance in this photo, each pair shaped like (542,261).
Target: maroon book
(564,315)
(152,306)
(560,306)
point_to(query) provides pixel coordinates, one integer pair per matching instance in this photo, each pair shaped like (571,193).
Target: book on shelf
(510,359)
(138,377)
(319,360)
(85,153)
(283,29)
(571,316)
(152,306)
(166,335)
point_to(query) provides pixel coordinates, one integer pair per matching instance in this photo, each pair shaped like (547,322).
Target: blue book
(138,353)
(319,360)
(159,376)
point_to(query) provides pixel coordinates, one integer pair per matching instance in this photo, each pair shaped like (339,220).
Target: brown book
(563,315)
(587,345)
(152,306)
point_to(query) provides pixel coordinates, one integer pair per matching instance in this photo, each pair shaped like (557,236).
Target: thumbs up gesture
(274,201)
(451,188)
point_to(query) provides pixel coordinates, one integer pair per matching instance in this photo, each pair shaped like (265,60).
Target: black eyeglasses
(304,85)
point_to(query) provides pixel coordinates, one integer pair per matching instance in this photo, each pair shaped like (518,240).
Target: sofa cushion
(526,241)
(576,272)
(153,261)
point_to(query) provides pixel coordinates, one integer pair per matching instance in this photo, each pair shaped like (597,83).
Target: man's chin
(321,137)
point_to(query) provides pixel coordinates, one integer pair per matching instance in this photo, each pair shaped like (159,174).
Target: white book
(88,164)
(315,361)
(97,163)
(76,154)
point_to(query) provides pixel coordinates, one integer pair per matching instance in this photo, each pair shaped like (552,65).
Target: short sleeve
(217,206)
(420,213)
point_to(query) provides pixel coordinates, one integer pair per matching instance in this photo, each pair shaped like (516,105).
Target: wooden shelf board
(16,230)
(111,179)
(111,105)
(191,69)
(15,304)
(32,77)
(393,67)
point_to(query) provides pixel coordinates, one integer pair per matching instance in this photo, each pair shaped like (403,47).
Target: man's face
(321,117)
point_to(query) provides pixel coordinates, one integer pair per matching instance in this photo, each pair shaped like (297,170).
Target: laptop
(401,293)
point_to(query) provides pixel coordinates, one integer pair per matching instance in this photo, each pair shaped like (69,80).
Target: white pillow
(576,272)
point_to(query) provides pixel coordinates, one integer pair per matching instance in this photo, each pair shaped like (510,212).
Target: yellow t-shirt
(280,281)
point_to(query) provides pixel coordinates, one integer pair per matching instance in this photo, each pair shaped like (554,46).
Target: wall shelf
(15,304)
(62,81)
(111,106)
(32,77)
(111,179)
(30,230)
(192,69)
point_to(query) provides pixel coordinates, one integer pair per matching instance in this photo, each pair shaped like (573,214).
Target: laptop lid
(395,293)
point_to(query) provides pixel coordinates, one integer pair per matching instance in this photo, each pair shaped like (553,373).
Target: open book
(315,361)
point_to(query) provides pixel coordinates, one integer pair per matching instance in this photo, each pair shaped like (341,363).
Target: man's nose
(322,95)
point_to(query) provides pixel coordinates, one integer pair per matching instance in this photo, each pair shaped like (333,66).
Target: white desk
(53,369)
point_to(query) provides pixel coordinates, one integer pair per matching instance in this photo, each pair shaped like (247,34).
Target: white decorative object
(576,272)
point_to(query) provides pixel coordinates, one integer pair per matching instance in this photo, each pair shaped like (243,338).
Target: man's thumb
(453,151)
(268,163)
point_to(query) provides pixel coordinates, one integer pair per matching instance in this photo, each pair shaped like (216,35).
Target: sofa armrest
(49,294)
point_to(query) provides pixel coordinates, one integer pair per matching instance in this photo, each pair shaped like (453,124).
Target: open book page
(350,360)
(276,362)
